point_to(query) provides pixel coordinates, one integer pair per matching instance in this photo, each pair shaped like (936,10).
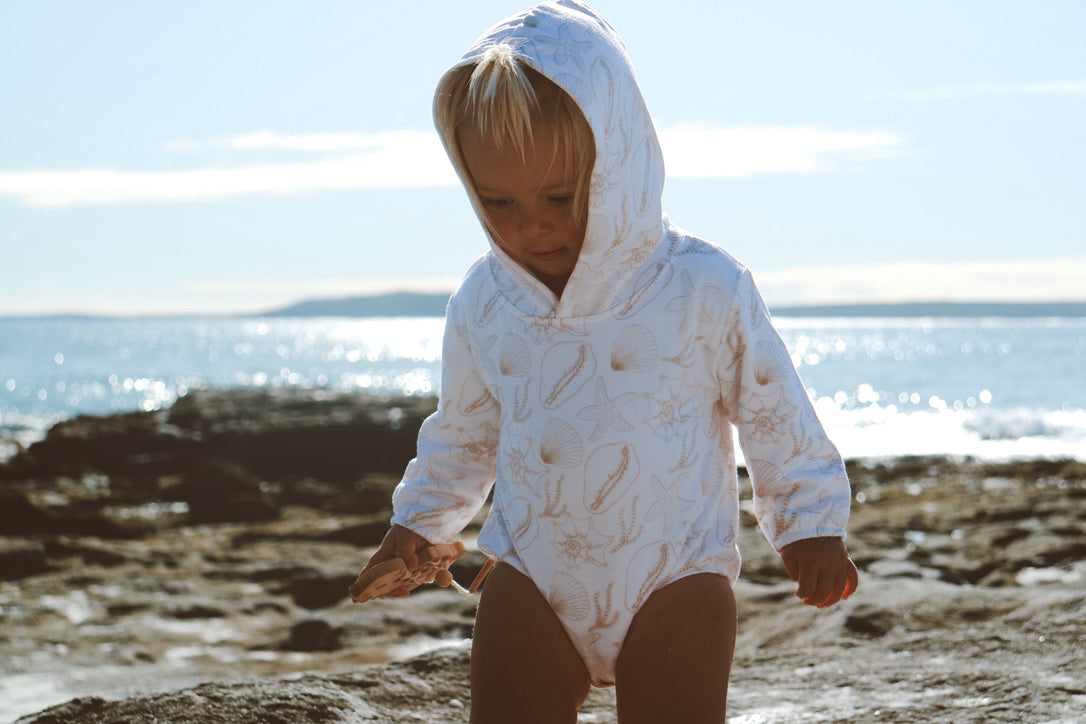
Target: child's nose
(534,222)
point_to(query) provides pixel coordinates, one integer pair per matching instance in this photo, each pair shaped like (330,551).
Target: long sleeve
(448,482)
(800,486)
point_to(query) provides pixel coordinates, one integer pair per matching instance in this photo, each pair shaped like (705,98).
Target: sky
(236,156)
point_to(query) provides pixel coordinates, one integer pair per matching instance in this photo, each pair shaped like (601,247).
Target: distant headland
(418,304)
(408,304)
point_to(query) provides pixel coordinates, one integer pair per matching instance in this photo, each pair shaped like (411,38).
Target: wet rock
(428,688)
(21,558)
(313,634)
(195,610)
(318,590)
(91,554)
(218,491)
(869,620)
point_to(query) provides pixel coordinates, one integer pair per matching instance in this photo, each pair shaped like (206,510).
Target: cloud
(265,140)
(711,152)
(1013,280)
(401,159)
(416,159)
(1065,88)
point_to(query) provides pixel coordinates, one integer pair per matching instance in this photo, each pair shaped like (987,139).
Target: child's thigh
(523,666)
(677,655)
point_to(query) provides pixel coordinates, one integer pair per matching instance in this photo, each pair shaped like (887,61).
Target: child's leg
(523,666)
(677,656)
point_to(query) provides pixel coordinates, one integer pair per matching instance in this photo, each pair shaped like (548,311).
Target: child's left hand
(822,568)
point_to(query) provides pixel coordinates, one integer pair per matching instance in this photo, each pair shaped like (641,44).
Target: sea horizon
(992,387)
(432,304)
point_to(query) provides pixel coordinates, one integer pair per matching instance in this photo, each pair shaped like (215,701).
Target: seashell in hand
(568,598)
(634,350)
(515,359)
(561,445)
(610,470)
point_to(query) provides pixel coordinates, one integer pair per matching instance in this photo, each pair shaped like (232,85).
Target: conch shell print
(474,396)
(521,521)
(644,573)
(610,470)
(634,349)
(567,366)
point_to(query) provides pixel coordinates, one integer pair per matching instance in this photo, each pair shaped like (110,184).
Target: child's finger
(405,549)
(808,585)
(833,593)
(852,580)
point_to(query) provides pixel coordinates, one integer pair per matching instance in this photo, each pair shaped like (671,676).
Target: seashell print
(634,350)
(646,570)
(654,278)
(487,308)
(568,597)
(567,366)
(515,359)
(474,398)
(521,522)
(561,445)
(771,362)
(454,348)
(765,475)
(609,472)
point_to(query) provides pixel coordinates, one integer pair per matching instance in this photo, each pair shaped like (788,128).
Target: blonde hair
(502,97)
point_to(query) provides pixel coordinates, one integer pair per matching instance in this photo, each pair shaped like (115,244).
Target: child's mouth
(546,255)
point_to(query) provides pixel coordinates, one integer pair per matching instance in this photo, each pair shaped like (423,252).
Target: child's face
(528,203)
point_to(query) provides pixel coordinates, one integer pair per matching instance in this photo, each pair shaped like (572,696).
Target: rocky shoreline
(143,555)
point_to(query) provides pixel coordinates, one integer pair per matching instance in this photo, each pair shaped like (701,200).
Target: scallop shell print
(568,597)
(567,366)
(561,445)
(515,360)
(771,362)
(634,350)
(609,472)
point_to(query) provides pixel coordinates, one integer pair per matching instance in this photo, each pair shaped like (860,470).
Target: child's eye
(497,203)
(561,199)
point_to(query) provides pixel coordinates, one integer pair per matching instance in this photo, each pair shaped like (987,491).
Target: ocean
(994,388)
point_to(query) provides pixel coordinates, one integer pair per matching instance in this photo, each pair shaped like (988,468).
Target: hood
(578,50)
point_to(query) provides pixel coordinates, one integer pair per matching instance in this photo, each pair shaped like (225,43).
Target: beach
(190,564)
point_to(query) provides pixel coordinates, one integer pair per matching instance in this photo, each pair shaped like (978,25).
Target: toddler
(595,361)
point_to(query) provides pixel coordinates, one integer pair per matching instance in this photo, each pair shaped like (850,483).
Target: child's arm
(822,568)
(448,481)
(801,490)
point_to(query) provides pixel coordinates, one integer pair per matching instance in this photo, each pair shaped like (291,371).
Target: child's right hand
(399,542)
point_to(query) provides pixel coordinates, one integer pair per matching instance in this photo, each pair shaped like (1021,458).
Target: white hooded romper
(603,419)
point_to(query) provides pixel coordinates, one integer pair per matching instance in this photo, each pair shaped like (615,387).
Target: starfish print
(669,505)
(607,412)
(566,48)
(480,350)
